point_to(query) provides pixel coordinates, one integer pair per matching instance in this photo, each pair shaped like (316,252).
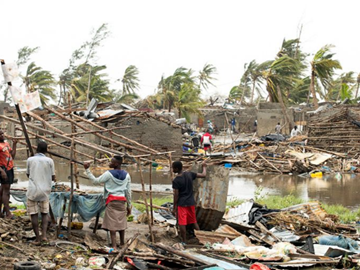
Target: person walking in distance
(41,172)
(117,193)
(184,201)
(7,155)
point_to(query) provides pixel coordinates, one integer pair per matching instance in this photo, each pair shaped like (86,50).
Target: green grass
(279,202)
(156,200)
(18,206)
(345,215)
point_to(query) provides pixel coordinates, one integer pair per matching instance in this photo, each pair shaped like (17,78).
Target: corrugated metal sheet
(210,197)
(214,237)
(227,229)
(240,214)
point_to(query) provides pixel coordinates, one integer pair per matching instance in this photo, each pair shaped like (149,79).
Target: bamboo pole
(170,167)
(150,189)
(71,187)
(81,142)
(95,131)
(145,199)
(73,130)
(58,144)
(56,155)
(144,150)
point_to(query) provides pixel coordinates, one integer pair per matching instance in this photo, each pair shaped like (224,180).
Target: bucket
(227,165)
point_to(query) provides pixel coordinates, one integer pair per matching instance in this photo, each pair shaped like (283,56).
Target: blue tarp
(86,206)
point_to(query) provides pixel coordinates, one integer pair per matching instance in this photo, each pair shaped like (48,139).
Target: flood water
(329,189)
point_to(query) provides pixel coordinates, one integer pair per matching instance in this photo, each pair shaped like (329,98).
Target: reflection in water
(327,189)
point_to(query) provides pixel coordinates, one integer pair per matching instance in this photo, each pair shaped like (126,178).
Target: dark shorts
(10,176)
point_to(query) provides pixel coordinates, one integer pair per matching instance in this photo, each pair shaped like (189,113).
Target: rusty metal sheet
(205,237)
(227,229)
(211,196)
(104,114)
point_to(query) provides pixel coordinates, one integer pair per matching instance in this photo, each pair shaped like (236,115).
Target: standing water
(342,190)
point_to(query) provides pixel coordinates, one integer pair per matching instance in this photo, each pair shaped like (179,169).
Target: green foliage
(42,80)
(24,55)
(75,77)
(206,76)
(345,214)
(99,85)
(279,202)
(156,201)
(130,80)
(188,101)
(234,202)
(282,73)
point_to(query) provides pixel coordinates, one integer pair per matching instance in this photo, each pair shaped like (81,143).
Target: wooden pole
(71,187)
(73,130)
(170,167)
(143,148)
(145,199)
(150,189)
(81,142)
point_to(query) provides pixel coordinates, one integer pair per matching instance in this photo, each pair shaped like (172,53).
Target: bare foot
(36,243)
(9,216)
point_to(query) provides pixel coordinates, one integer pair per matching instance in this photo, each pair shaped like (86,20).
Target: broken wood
(181,254)
(145,199)
(121,252)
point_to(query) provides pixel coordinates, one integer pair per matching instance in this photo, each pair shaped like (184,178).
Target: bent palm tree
(130,80)
(322,68)
(206,76)
(42,80)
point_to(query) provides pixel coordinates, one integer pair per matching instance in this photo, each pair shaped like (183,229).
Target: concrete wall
(153,133)
(268,119)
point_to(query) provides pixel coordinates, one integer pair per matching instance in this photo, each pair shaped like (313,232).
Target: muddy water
(329,189)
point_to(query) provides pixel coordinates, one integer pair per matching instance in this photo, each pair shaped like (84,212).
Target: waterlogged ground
(330,189)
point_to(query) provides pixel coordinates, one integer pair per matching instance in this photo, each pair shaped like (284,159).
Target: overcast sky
(160,36)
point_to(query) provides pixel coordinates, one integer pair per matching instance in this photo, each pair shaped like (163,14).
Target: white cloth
(40,169)
(295,132)
(278,129)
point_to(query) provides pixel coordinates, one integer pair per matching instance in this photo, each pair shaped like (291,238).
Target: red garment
(111,198)
(186,215)
(206,141)
(5,156)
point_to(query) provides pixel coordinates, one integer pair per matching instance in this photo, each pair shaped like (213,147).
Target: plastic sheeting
(86,206)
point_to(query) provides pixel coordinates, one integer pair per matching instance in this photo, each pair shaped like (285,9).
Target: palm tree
(357,85)
(337,86)
(170,87)
(188,101)
(94,81)
(300,90)
(127,98)
(255,73)
(42,80)
(130,80)
(322,69)
(281,75)
(206,76)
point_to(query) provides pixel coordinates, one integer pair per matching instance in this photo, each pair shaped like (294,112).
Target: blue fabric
(119,174)
(86,206)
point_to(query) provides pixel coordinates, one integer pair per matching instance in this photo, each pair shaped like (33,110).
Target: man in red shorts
(184,202)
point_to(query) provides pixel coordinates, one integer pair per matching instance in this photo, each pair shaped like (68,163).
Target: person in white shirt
(295,132)
(278,128)
(41,172)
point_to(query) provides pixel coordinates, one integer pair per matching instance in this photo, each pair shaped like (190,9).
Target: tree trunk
(312,88)
(282,104)
(357,90)
(242,96)
(252,92)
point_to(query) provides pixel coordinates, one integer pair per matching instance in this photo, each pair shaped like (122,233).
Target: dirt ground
(19,248)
